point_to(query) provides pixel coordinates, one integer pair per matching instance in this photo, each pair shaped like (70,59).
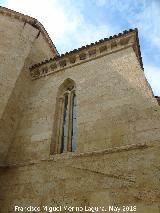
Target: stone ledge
(101,152)
(72,155)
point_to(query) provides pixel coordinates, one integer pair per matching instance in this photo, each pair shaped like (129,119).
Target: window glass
(74,131)
(64,124)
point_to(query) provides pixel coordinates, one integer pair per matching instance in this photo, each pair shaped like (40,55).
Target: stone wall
(117,157)
(124,176)
(17,41)
(115,107)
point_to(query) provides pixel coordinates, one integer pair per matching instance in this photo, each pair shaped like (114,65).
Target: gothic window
(64,139)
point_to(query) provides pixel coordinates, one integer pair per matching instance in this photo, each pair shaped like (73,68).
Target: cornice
(89,52)
(33,22)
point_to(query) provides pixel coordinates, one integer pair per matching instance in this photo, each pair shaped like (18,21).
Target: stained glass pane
(74,130)
(65,124)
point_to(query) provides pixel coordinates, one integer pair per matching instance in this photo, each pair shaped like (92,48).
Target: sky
(74,23)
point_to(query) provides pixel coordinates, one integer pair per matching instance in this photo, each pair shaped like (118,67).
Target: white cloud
(152,73)
(101,2)
(68,27)
(63,21)
(144,14)
(148,22)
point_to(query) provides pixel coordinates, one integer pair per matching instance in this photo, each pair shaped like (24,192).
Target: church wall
(13,112)
(17,41)
(40,51)
(113,104)
(124,176)
(117,156)
(15,44)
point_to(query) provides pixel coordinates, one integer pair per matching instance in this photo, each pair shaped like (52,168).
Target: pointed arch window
(65,124)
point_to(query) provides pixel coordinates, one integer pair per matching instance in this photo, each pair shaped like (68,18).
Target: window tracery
(65,124)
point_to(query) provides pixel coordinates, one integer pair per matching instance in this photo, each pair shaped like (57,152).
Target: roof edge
(33,22)
(136,47)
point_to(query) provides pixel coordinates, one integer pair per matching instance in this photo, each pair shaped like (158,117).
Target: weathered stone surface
(20,46)
(117,160)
